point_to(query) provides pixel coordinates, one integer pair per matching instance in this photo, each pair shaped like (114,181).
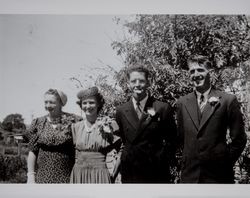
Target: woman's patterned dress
(54,148)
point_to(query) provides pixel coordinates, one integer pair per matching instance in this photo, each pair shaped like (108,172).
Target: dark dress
(53,148)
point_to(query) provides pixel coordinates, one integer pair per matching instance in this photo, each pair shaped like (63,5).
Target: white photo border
(119,7)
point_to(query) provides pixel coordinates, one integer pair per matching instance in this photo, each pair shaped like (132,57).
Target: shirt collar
(205,94)
(142,102)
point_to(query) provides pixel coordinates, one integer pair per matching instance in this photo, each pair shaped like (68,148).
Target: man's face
(199,75)
(138,84)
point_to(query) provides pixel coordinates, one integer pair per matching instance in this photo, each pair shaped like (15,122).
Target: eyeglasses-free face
(138,84)
(52,104)
(90,106)
(199,75)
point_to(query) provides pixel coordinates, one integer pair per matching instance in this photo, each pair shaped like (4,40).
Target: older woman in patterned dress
(51,155)
(93,138)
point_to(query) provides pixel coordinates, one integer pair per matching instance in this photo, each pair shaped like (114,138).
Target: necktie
(202,103)
(138,109)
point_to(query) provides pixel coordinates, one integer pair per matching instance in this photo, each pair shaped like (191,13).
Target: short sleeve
(33,136)
(73,130)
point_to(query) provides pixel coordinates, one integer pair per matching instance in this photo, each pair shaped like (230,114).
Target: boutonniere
(213,100)
(152,113)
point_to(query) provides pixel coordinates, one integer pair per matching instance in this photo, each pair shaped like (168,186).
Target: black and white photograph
(149,102)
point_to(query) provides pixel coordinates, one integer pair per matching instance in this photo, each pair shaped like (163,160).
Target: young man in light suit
(204,117)
(148,133)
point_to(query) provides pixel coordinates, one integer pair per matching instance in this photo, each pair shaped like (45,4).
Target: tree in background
(1,131)
(14,123)
(163,44)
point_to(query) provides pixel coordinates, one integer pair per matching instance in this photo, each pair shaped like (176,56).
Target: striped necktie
(138,110)
(202,103)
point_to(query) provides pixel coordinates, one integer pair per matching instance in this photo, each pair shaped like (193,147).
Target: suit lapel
(145,118)
(209,109)
(131,114)
(192,108)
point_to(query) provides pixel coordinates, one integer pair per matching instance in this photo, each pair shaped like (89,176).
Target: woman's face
(52,104)
(90,106)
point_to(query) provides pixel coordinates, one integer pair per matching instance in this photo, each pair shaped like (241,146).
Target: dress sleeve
(73,130)
(33,136)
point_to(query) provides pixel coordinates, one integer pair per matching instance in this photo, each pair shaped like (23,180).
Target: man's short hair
(138,68)
(200,59)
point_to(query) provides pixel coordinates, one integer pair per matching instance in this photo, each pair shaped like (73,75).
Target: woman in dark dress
(51,155)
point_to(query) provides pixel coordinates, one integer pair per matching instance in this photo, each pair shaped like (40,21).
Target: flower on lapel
(151,111)
(213,100)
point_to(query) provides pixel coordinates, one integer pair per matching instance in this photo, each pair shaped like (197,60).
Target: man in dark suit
(148,132)
(205,117)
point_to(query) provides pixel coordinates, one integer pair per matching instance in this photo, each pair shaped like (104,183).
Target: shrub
(12,150)
(13,169)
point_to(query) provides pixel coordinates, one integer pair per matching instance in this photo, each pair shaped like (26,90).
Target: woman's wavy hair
(93,91)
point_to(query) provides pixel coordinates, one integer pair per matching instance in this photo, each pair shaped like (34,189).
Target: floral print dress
(92,145)
(54,148)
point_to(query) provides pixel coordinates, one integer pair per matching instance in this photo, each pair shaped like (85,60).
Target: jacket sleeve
(179,120)
(237,131)
(170,131)
(119,123)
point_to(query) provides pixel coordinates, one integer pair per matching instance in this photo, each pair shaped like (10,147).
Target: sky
(38,52)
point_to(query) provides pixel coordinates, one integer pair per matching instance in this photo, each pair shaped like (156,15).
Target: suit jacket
(148,142)
(207,156)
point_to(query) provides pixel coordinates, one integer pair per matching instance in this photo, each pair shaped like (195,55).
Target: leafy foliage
(163,43)
(13,169)
(14,122)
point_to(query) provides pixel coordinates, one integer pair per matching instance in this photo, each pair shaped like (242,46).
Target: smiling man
(204,118)
(148,132)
